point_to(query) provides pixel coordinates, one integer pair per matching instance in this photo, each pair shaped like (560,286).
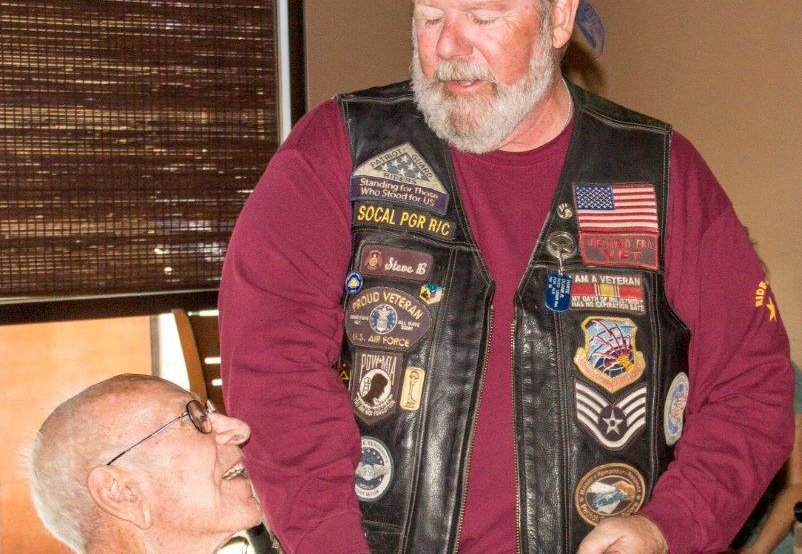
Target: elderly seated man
(136,464)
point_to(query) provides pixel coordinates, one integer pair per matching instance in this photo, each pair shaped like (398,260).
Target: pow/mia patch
(402,219)
(599,291)
(609,490)
(374,474)
(613,424)
(609,357)
(401,263)
(412,391)
(674,409)
(374,393)
(631,250)
(383,317)
(400,174)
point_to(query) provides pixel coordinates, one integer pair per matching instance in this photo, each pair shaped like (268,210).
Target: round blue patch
(353,282)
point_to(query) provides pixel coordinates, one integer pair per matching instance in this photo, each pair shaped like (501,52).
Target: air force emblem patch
(609,357)
(399,175)
(613,425)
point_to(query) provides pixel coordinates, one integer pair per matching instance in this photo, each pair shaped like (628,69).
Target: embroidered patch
(383,317)
(431,293)
(614,424)
(674,409)
(399,175)
(599,291)
(353,282)
(610,358)
(609,490)
(374,472)
(631,250)
(402,219)
(412,391)
(763,298)
(374,393)
(616,208)
(401,263)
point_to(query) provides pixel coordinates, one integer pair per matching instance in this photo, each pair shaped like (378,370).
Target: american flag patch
(616,207)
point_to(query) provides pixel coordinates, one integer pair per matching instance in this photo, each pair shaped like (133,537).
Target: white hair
(483,123)
(69,444)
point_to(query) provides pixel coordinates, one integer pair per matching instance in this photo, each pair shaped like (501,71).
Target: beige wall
(725,74)
(353,44)
(41,365)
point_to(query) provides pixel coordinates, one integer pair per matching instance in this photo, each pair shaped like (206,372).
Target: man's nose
(229,429)
(452,42)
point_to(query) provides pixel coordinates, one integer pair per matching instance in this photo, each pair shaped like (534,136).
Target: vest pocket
(382,538)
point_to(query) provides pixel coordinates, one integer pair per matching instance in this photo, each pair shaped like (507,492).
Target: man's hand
(625,535)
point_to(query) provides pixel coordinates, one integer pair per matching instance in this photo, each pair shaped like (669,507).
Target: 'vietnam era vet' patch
(629,250)
(399,175)
(383,317)
(402,219)
(600,291)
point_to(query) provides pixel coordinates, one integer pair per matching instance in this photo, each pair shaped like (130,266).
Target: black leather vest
(598,388)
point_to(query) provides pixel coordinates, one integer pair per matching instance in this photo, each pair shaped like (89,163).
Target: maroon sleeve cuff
(341,534)
(677,523)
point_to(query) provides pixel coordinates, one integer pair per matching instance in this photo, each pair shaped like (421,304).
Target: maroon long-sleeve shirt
(281,330)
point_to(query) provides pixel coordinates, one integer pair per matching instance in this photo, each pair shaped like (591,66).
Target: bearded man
(137,465)
(540,274)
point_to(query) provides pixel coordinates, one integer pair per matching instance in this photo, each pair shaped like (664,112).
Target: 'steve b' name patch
(399,175)
(402,219)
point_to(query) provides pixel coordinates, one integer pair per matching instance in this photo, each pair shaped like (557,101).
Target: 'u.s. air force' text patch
(399,175)
(402,219)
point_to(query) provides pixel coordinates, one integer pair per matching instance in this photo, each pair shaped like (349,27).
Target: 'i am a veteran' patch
(600,291)
(399,175)
(402,219)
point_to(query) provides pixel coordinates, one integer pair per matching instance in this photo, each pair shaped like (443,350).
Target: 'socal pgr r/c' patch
(368,214)
(609,490)
(374,474)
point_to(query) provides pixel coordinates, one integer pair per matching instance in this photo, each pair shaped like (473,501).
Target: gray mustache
(462,71)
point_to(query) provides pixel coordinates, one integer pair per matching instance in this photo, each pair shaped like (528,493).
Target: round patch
(383,319)
(353,282)
(674,409)
(375,470)
(609,490)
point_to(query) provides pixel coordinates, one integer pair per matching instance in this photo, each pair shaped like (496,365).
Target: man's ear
(563,14)
(119,494)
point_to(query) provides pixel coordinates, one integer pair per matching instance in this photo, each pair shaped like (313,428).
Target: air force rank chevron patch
(614,425)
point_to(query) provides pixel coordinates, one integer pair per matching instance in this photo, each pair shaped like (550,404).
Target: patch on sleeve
(609,490)
(400,175)
(764,298)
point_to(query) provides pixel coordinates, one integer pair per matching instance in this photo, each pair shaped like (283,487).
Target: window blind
(131,133)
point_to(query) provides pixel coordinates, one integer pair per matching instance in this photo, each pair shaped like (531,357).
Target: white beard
(484,122)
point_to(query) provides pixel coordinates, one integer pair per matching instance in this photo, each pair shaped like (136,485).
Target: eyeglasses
(197,414)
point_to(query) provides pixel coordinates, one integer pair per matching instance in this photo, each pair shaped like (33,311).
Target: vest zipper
(467,469)
(518,545)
